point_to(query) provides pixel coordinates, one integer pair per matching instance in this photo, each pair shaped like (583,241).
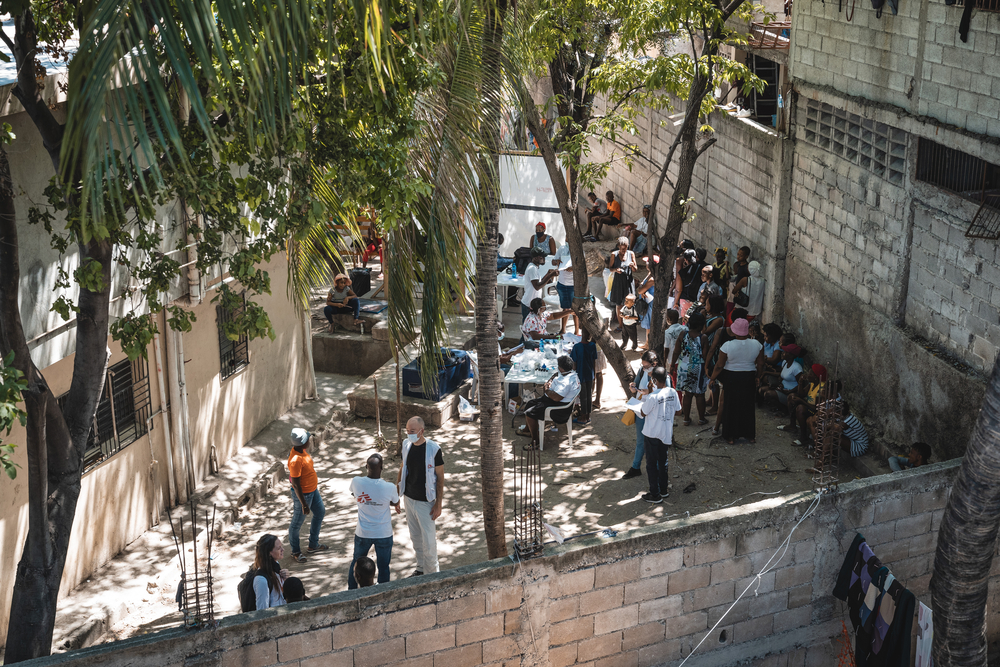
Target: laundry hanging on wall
(965,23)
(880,608)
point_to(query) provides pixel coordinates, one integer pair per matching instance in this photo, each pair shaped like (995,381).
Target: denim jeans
(353,306)
(640,442)
(383,554)
(316,510)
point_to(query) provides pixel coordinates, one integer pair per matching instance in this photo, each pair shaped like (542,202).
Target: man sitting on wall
(920,454)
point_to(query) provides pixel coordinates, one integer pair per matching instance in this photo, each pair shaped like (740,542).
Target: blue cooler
(456,368)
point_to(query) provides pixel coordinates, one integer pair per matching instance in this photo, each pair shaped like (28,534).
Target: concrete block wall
(647,597)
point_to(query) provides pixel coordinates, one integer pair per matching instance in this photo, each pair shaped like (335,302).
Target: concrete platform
(462,335)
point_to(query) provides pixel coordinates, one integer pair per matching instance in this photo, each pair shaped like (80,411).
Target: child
(920,454)
(670,336)
(294,590)
(584,355)
(630,322)
(364,572)
(723,271)
(658,409)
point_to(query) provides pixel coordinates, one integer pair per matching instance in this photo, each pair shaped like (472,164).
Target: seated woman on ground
(536,323)
(342,300)
(920,454)
(788,374)
(561,390)
(772,346)
(803,402)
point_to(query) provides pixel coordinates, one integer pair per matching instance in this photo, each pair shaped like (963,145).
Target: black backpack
(248,599)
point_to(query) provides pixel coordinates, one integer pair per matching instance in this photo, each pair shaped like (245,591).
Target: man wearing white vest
(421,485)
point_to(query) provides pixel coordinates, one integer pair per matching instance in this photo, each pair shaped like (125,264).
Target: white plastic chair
(548,415)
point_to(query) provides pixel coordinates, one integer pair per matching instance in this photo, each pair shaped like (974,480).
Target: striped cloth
(855,431)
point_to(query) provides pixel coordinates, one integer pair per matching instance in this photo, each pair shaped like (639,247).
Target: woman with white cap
(753,287)
(740,361)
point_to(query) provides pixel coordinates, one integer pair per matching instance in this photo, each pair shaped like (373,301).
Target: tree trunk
(583,301)
(966,542)
(490,376)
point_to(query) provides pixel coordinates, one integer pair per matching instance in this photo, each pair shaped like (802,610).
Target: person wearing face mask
(640,388)
(421,486)
(658,410)
(560,390)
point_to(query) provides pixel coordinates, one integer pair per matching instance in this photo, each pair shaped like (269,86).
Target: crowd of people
(418,491)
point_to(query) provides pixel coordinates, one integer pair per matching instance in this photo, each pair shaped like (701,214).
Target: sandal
(716,431)
(702,422)
(686,422)
(523,431)
(320,547)
(299,558)
(785,427)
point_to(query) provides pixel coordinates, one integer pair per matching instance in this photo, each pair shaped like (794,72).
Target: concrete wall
(914,61)
(644,598)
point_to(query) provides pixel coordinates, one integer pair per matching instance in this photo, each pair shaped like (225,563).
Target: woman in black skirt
(741,360)
(622,264)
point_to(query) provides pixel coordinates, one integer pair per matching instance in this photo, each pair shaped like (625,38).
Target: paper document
(634,404)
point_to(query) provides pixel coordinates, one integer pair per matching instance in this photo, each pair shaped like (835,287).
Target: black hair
(537,252)
(717,304)
(651,357)
(659,375)
(789,338)
(378,456)
(923,449)
(535,304)
(739,314)
(696,321)
(772,330)
(364,571)
(673,315)
(294,590)
(264,562)
(565,363)
(591,194)
(701,254)
(746,249)
(610,194)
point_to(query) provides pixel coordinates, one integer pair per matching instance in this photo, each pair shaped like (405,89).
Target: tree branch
(706,146)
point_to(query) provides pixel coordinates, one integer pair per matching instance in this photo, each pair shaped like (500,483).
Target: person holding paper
(658,410)
(564,287)
(640,388)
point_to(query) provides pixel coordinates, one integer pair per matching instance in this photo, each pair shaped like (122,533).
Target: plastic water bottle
(362,328)
(513,270)
(541,346)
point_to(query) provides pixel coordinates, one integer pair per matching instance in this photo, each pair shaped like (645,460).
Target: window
(968,177)
(869,144)
(122,412)
(983,5)
(234,355)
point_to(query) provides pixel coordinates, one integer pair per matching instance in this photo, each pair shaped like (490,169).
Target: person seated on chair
(342,300)
(561,390)
(536,323)
(542,241)
(505,357)
(502,262)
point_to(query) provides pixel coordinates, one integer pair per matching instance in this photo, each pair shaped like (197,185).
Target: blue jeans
(565,295)
(316,510)
(640,442)
(503,262)
(383,554)
(353,306)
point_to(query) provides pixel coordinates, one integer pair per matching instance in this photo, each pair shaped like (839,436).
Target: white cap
(300,437)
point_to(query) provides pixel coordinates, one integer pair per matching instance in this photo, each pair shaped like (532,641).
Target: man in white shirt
(598,209)
(564,286)
(535,281)
(560,390)
(374,496)
(658,410)
(637,234)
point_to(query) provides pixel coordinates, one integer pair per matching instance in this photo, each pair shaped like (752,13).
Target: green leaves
(12,383)
(134,333)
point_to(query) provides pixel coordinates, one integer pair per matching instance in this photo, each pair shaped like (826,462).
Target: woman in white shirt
(740,361)
(560,390)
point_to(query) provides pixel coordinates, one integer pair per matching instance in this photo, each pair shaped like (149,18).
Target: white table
(505,280)
(518,375)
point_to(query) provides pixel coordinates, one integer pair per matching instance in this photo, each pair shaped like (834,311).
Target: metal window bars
(983,5)
(967,176)
(234,355)
(527,501)
(195,597)
(775,35)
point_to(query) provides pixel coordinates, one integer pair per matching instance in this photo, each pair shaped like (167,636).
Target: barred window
(122,413)
(234,354)
(983,5)
(968,177)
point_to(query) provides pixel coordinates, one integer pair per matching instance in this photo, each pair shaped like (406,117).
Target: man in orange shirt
(305,494)
(614,215)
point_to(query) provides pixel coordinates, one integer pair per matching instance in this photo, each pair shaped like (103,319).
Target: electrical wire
(783,549)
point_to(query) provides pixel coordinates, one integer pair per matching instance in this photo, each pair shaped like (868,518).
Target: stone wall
(646,597)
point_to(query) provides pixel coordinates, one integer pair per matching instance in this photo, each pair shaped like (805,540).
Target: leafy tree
(11,386)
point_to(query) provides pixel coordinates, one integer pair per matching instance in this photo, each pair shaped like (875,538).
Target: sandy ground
(583,493)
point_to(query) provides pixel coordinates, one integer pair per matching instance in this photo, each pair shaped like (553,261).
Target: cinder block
(572,583)
(603,599)
(305,644)
(730,569)
(460,609)
(913,525)
(466,656)
(598,647)
(512,622)
(628,659)
(646,589)
(681,626)
(616,619)
(359,632)
(495,650)
(563,655)
(560,610)
(617,573)
(921,544)
(255,655)
(805,552)
(429,641)
(793,618)
(478,629)
(660,608)
(662,563)
(410,620)
(688,579)
(752,629)
(758,540)
(503,599)
(660,653)
(710,596)
(642,635)
(796,575)
(422,661)
(572,630)
(799,596)
(338,659)
(380,653)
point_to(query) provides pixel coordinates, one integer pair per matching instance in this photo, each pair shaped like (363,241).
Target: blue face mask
(412,437)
